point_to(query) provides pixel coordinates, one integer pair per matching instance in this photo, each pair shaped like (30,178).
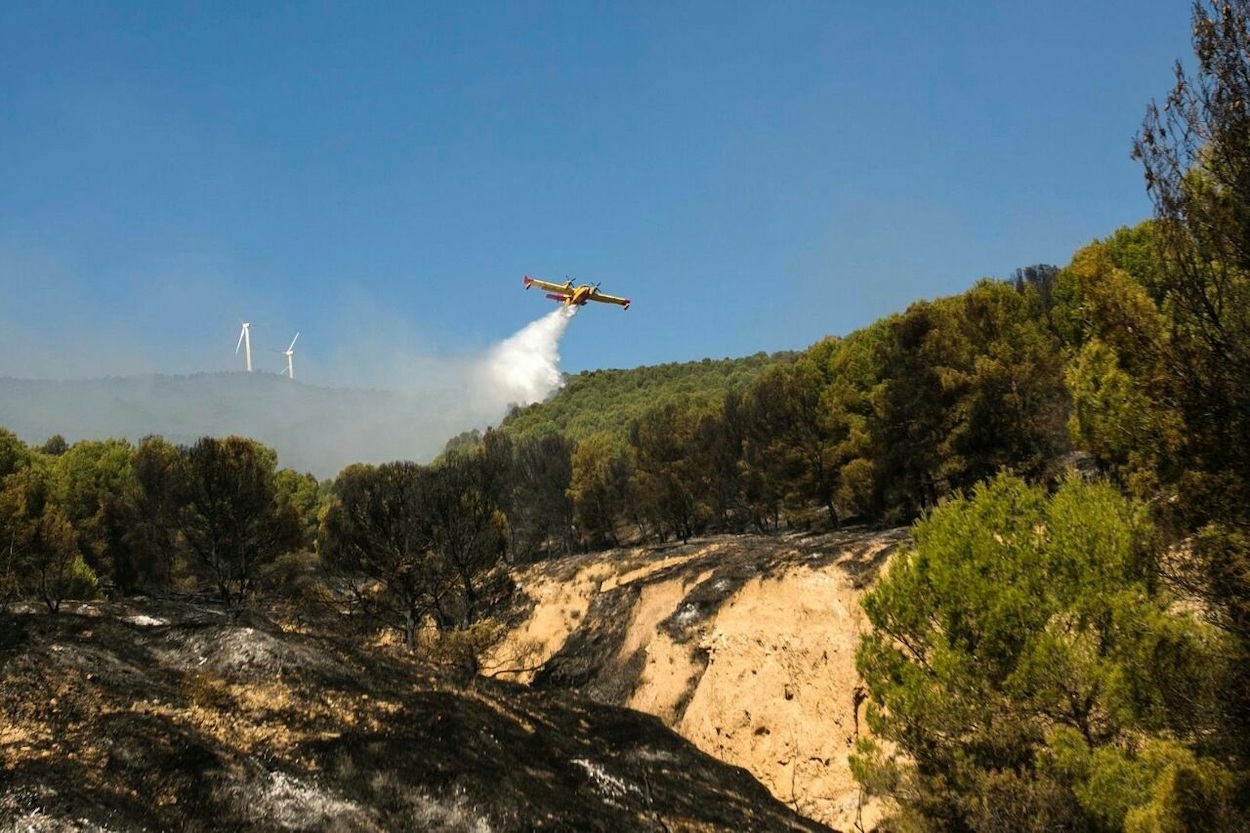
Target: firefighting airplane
(570,295)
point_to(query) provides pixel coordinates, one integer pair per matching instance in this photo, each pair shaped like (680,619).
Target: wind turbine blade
(292,347)
(242,333)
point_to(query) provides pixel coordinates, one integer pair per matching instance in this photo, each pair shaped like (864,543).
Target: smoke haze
(418,403)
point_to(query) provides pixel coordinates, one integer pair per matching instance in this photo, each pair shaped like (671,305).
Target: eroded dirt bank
(744,645)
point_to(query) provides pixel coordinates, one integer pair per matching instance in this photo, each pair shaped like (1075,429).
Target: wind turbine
(289,352)
(245,338)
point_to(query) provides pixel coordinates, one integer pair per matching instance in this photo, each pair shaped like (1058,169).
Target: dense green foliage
(41,557)
(877,425)
(1023,666)
(140,518)
(596,401)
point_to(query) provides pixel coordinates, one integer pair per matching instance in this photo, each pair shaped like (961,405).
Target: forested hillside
(1057,650)
(607,401)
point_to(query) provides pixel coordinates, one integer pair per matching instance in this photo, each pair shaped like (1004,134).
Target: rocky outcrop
(744,645)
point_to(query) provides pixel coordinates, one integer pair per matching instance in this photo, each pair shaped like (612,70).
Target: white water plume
(522,369)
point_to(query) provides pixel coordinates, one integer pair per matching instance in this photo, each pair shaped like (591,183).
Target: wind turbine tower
(289,352)
(245,340)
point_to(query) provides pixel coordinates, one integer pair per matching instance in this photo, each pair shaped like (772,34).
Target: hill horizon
(313,428)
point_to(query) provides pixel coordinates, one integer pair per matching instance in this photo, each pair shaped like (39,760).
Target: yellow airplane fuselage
(571,296)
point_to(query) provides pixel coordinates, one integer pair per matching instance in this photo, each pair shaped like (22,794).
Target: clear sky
(379,176)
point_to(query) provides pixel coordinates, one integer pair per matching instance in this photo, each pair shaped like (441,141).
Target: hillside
(744,645)
(322,430)
(160,716)
(608,400)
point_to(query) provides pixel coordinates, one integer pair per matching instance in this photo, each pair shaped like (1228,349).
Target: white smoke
(523,369)
(406,405)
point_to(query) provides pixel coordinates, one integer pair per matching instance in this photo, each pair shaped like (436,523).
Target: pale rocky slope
(744,645)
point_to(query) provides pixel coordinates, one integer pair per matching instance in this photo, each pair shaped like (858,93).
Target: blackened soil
(158,716)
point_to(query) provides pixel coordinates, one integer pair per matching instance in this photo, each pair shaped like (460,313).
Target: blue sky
(379,176)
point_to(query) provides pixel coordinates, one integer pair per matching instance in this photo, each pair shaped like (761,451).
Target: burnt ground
(162,716)
(590,659)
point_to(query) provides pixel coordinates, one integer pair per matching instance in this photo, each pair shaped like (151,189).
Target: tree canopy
(1022,662)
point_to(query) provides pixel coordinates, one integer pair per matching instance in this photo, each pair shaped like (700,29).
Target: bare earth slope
(744,645)
(166,717)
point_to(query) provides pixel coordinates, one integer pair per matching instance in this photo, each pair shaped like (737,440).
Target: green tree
(1021,656)
(759,476)
(91,475)
(14,454)
(1040,278)
(1118,378)
(467,529)
(463,442)
(304,495)
(54,446)
(147,556)
(1195,152)
(600,488)
(230,518)
(925,374)
(41,558)
(540,510)
(857,374)
(414,542)
(665,481)
(804,428)
(375,537)
(965,386)
(719,443)
(1013,411)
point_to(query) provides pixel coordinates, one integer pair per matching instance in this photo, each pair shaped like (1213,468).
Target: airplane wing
(557,288)
(609,299)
